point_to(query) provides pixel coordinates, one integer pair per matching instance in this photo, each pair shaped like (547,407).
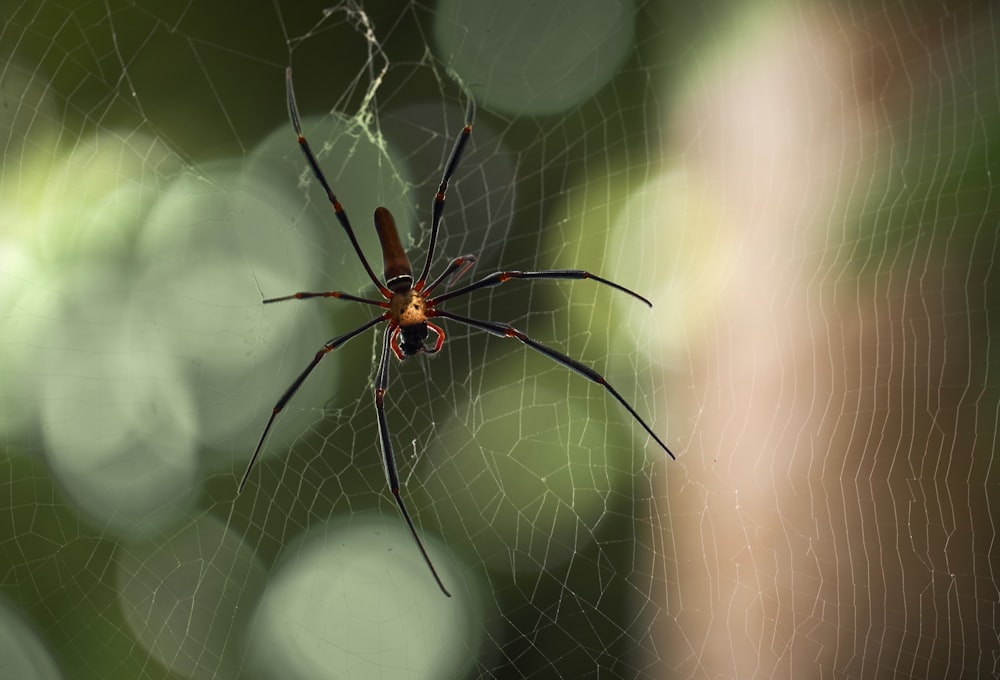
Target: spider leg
(381,381)
(507,331)
(297,383)
(394,343)
(440,338)
(496,278)
(331,294)
(293,113)
(449,170)
(455,269)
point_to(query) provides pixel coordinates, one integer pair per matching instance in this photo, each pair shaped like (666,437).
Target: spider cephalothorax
(407,306)
(409,312)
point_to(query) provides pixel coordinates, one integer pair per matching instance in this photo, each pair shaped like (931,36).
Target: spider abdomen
(397,271)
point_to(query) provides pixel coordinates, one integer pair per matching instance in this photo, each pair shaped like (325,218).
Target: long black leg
(506,331)
(449,170)
(455,268)
(330,294)
(297,383)
(381,381)
(293,113)
(496,278)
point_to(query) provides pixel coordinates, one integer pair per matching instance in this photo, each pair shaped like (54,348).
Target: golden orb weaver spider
(408,307)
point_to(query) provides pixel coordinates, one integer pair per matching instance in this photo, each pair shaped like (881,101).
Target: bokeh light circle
(354,599)
(534,58)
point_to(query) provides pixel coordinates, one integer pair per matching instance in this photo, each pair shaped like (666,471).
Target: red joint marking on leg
(337,207)
(440,196)
(276,410)
(504,278)
(467,130)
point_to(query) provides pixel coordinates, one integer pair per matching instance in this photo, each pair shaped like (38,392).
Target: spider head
(411,339)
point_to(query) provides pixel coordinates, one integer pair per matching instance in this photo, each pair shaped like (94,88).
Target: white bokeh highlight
(119,423)
(186,596)
(534,58)
(23,654)
(354,599)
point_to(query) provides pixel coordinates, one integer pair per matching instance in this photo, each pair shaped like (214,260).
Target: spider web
(803,189)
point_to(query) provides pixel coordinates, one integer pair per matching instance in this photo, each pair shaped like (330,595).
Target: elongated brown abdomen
(397,271)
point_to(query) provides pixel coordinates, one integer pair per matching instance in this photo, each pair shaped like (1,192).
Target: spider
(408,307)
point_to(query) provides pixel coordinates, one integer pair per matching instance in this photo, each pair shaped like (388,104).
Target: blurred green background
(803,189)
